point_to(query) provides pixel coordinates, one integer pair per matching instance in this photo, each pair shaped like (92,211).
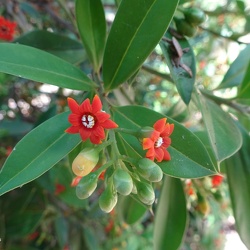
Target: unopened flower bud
(85,161)
(123,182)
(149,170)
(145,193)
(108,199)
(86,186)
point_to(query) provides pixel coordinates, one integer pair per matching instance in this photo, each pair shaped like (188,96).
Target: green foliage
(146,173)
(129,42)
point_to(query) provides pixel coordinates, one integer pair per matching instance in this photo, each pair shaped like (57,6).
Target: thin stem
(127,131)
(104,167)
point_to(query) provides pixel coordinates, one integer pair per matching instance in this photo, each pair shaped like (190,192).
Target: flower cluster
(89,120)
(7,29)
(159,141)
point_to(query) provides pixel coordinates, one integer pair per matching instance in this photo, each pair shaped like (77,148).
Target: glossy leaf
(189,158)
(91,23)
(238,176)
(184,82)
(136,30)
(171,216)
(37,152)
(37,65)
(237,70)
(244,91)
(68,49)
(130,210)
(224,136)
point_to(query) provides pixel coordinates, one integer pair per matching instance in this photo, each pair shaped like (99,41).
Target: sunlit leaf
(37,65)
(238,176)
(92,27)
(171,216)
(136,30)
(37,152)
(225,138)
(244,91)
(237,70)
(189,158)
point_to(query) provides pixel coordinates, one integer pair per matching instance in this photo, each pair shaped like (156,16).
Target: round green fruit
(194,16)
(86,186)
(185,28)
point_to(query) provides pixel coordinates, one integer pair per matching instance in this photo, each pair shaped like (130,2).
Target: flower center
(88,121)
(159,142)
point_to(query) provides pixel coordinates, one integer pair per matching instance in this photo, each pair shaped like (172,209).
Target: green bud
(86,186)
(149,170)
(145,193)
(194,16)
(85,161)
(185,28)
(108,199)
(123,182)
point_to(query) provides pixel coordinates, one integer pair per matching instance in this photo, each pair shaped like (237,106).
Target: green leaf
(136,30)
(37,152)
(91,23)
(244,91)
(130,210)
(184,82)
(238,176)
(189,158)
(171,216)
(68,49)
(37,65)
(237,70)
(224,136)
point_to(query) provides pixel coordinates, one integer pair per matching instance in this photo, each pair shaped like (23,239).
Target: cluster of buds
(124,175)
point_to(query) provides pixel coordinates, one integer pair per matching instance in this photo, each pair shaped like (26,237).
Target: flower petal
(147,143)
(74,119)
(168,130)
(166,142)
(96,104)
(84,133)
(166,156)
(109,124)
(102,116)
(160,125)
(73,105)
(159,154)
(95,139)
(99,132)
(85,107)
(72,130)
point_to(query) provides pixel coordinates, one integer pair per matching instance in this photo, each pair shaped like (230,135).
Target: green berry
(194,16)
(123,182)
(185,28)
(149,170)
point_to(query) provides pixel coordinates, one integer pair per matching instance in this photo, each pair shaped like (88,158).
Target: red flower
(7,29)
(159,141)
(217,180)
(59,189)
(89,120)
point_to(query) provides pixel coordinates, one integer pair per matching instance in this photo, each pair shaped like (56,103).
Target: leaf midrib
(128,47)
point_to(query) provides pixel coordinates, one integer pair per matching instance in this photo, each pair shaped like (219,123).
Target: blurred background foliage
(46,214)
